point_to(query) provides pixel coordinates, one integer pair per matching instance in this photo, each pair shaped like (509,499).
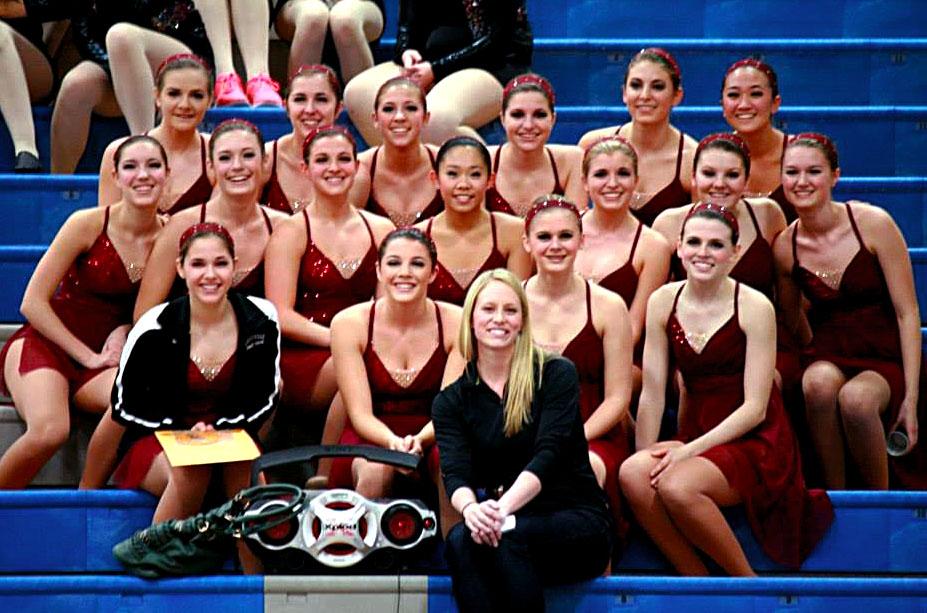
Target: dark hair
(658,56)
(327,132)
(310,70)
(708,210)
(725,141)
(181,61)
(232,125)
(139,138)
(205,230)
(400,82)
(756,64)
(818,141)
(463,141)
(412,234)
(529,82)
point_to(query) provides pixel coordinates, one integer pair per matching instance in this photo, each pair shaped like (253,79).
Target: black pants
(560,547)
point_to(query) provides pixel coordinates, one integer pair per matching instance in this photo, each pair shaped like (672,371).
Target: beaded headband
(713,208)
(727,137)
(550,201)
(311,69)
(530,79)
(829,148)
(666,56)
(760,65)
(181,56)
(333,130)
(206,227)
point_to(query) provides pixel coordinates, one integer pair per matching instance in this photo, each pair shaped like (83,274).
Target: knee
(359,94)
(120,38)
(50,435)
(857,404)
(820,384)
(373,479)
(343,20)
(635,473)
(676,492)
(7,43)
(311,17)
(190,479)
(79,90)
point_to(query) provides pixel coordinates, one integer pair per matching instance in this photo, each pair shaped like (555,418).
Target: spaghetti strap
(431,156)
(736,300)
(373,241)
(373,165)
(373,310)
(273,165)
(795,244)
(676,299)
(203,213)
(267,222)
(682,141)
(859,236)
(428,227)
(553,165)
(203,152)
(308,229)
(440,325)
(618,129)
(495,161)
(756,224)
(785,141)
(492,228)
(637,235)
(588,302)
(106,219)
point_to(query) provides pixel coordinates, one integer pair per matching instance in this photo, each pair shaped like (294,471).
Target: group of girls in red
(368,259)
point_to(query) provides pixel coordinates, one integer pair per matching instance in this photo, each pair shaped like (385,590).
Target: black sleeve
(453,440)
(409,21)
(135,390)
(558,399)
(490,23)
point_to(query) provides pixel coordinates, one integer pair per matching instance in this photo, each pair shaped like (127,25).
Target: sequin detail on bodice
(497,202)
(446,288)
(399,218)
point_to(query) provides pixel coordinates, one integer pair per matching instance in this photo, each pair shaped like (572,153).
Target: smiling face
(183,98)
(400,114)
(311,103)
(405,269)
(237,162)
(140,173)
(528,120)
(648,92)
(747,100)
(706,248)
(720,177)
(610,180)
(207,268)
(807,177)
(553,239)
(497,317)
(332,165)
(462,179)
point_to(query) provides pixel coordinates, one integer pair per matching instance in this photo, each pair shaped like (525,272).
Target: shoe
(229,91)
(262,91)
(27,163)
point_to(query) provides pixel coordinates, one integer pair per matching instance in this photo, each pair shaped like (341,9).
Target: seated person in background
(79,307)
(735,444)
(460,54)
(863,369)
(511,424)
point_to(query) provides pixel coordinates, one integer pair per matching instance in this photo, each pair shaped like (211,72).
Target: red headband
(181,56)
(333,130)
(664,55)
(551,201)
(727,137)
(530,79)
(713,208)
(829,148)
(207,227)
(760,65)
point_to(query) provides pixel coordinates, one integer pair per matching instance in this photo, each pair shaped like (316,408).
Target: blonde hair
(527,360)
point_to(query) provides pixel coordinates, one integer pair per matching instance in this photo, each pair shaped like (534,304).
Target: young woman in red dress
(652,87)
(735,445)
(78,305)
(863,357)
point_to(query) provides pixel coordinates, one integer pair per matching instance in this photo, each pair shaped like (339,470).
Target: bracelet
(464,508)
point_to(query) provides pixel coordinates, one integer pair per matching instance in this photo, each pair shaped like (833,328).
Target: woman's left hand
(669,456)
(202,427)
(422,74)
(907,420)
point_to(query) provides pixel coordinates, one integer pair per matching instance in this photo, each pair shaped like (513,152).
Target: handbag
(201,544)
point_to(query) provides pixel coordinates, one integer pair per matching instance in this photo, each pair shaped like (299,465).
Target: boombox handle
(308,453)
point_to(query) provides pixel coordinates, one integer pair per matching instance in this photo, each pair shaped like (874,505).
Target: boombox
(337,529)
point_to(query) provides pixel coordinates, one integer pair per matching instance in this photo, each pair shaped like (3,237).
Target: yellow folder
(189,448)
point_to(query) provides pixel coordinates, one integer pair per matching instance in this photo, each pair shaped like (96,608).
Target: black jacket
(150,388)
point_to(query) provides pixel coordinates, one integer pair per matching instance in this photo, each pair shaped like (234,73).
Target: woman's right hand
(484,519)
(108,358)
(410,57)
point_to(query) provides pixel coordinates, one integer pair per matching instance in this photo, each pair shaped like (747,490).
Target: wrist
(464,508)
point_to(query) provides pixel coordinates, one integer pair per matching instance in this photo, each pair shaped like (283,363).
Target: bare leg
(335,421)
(821,383)
(41,399)
(251,21)
(460,103)
(692,493)
(862,400)
(360,93)
(28,77)
(85,90)
(215,15)
(101,453)
(184,493)
(651,513)
(304,23)
(93,396)
(598,469)
(236,477)
(371,479)
(354,23)
(134,54)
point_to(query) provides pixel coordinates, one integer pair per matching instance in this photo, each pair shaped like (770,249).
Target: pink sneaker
(229,91)
(262,91)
